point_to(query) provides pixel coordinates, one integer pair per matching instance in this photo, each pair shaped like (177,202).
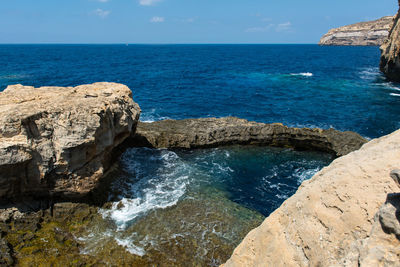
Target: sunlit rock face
(58,140)
(370,33)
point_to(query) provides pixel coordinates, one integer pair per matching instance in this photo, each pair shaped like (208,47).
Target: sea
(205,201)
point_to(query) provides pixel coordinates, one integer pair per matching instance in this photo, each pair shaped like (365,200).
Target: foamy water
(183,194)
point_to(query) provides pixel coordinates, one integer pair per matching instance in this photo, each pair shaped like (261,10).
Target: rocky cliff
(58,140)
(346,215)
(390,52)
(213,132)
(371,33)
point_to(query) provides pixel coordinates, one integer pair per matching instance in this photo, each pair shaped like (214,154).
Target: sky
(181,21)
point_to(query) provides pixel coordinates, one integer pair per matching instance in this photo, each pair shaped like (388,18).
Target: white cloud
(260,29)
(157,19)
(148,2)
(103,1)
(101,13)
(283,26)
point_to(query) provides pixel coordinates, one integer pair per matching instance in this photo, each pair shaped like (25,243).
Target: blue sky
(181,21)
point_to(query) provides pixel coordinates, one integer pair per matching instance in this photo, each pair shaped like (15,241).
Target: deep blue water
(265,83)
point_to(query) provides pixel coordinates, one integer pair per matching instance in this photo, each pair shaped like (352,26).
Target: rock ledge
(213,132)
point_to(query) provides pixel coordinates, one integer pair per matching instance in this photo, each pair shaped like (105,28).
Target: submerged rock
(370,33)
(59,140)
(213,132)
(331,220)
(390,52)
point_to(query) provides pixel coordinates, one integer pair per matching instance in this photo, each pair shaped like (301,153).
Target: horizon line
(56,43)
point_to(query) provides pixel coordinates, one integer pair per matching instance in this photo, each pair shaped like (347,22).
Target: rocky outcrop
(213,132)
(371,33)
(59,140)
(390,52)
(346,215)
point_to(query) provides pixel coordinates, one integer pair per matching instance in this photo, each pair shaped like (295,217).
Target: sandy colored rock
(334,219)
(60,139)
(370,33)
(213,132)
(390,52)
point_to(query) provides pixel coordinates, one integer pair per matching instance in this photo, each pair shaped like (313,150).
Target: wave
(152,116)
(393,94)
(370,74)
(303,174)
(156,183)
(304,74)
(13,77)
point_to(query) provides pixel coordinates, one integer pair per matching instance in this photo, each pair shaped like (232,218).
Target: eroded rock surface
(370,33)
(390,52)
(213,132)
(59,139)
(334,219)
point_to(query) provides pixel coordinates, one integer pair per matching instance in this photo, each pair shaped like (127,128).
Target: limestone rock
(331,221)
(213,132)
(59,139)
(382,247)
(390,52)
(370,33)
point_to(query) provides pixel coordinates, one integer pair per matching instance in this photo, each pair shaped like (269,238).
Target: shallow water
(196,206)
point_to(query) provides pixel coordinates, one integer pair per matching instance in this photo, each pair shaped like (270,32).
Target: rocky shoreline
(59,144)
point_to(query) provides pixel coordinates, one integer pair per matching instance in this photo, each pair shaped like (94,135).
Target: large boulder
(390,52)
(59,140)
(214,132)
(337,218)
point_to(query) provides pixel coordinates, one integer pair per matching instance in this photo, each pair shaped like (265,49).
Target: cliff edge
(390,52)
(59,140)
(346,215)
(370,33)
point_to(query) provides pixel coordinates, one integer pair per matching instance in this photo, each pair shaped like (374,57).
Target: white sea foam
(304,74)
(369,73)
(161,182)
(393,94)
(152,116)
(303,174)
(127,243)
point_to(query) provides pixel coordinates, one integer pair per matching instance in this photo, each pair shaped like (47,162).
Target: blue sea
(213,197)
(298,85)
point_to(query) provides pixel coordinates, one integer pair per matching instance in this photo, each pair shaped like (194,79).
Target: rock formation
(371,33)
(390,52)
(346,215)
(59,140)
(212,132)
